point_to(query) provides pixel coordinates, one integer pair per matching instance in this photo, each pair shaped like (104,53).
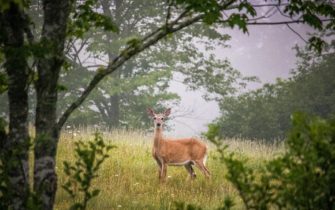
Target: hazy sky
(266,53)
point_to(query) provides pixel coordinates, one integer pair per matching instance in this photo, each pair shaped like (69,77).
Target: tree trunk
(114,111)
(17,142)
(56,13)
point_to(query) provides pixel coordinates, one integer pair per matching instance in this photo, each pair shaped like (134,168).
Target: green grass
(129,177)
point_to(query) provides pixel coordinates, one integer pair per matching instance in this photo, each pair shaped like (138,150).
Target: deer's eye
(154,118)
(162,118)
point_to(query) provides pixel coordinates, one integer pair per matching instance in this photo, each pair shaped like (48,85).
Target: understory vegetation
(297,173)
(128,179)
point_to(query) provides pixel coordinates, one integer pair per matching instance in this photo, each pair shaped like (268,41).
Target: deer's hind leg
(200,164)
(190,170)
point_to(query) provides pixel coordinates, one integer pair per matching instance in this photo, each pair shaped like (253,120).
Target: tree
(18,46)
(265,113)
(142,81)
(120,96)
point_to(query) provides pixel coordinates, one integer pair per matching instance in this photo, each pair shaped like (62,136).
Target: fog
(266,52)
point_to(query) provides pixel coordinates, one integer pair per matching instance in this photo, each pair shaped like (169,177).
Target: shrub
(302,178)
(89,157)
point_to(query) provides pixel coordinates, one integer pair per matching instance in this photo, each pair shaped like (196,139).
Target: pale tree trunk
(56,13)
(16,143)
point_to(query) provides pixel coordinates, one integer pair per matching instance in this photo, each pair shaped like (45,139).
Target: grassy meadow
(128,179)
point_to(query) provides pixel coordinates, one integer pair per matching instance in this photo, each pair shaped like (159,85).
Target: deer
(176,152)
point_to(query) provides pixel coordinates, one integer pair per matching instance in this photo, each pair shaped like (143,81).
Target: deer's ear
(151,112)
(167,112)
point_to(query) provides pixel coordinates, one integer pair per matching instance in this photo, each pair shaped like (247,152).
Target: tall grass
(129,178)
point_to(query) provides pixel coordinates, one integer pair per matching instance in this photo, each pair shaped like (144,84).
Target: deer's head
(159,118)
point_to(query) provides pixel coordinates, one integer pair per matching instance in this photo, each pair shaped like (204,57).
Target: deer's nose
(158,124)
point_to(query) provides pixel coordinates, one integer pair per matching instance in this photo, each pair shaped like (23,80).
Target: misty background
(202,72)
(267,52)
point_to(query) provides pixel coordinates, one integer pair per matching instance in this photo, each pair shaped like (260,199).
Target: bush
(89,157)
(302,178)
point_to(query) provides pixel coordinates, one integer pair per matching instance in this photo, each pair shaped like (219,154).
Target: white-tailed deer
(179,152)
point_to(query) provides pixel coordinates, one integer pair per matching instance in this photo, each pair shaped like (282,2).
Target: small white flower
(119,206)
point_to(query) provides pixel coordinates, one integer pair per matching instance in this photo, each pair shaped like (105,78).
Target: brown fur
(183,152)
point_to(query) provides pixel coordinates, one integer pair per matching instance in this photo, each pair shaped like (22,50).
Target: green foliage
(302,178)
(312,13)
(316,43)
(211,9)
(255,194)
(5,4)
(239,20)
(89,157)
(134,42)
(143,81)
(265,113)
(216,76)
(61,88)
(307,170)
(227,205)
(3,82)
(213,132)
(184,206)
(84,18)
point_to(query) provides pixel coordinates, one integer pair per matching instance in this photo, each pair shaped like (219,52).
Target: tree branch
(133,50)
(294,31)
(269,5)
(125,55)
(280,22)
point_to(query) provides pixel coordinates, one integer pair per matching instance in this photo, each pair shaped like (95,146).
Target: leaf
(61,87)
(312,20)
(316,43)
(238,20)
(85,17)
(249,8)
(95,193)
(3,82)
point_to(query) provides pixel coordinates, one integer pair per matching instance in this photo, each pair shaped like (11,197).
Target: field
(129,177)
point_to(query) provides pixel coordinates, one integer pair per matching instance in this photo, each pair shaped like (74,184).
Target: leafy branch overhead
(188,12)
(84,18)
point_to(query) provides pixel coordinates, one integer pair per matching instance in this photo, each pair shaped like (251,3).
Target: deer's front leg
(159,167)
(163,172)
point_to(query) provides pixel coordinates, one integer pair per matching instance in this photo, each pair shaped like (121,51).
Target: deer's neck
(158,137)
